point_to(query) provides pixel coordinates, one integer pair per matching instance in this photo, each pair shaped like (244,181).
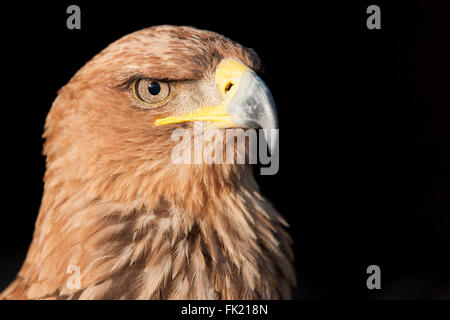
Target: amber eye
(150,92)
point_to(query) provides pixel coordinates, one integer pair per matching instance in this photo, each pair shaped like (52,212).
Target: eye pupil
(154,88)
(151,92)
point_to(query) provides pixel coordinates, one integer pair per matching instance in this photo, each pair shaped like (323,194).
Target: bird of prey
(133,224)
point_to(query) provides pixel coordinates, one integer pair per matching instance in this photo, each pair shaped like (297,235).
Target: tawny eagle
(133,223)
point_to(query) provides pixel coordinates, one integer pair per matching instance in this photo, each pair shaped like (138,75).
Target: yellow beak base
(227,76)
(215,113)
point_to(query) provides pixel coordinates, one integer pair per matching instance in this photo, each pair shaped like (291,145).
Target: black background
(364,123)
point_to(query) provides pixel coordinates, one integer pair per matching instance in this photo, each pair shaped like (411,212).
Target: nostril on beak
(228,86)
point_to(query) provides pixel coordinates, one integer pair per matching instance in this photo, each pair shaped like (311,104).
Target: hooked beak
(246,102)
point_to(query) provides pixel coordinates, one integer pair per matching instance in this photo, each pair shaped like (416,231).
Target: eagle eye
(150,92)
